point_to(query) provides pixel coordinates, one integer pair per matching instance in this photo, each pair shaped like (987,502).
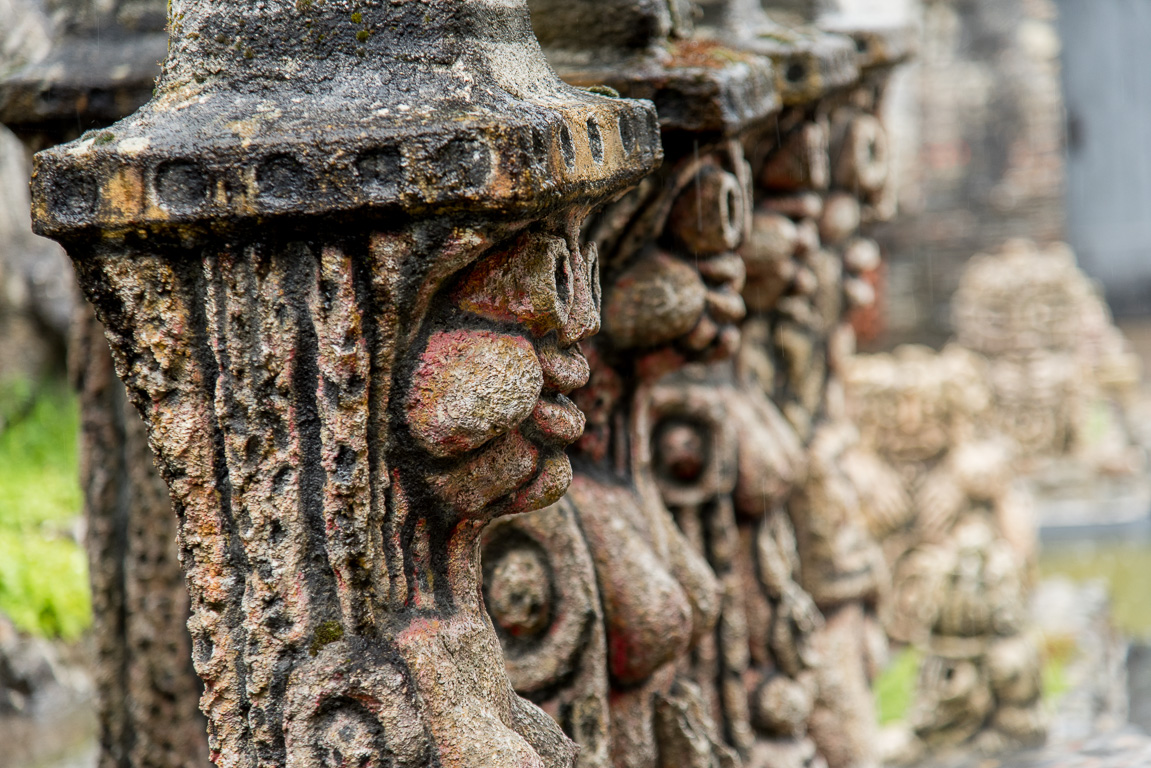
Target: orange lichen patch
(703,53)
(123,193)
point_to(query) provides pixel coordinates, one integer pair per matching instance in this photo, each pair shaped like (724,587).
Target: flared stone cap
(809,62)
(309,107)
(101,80)
(879,43)
(698,86)
(643,49)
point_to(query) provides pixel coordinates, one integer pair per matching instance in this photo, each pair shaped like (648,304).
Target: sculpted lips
(563,369)
(555,417)
(558,419)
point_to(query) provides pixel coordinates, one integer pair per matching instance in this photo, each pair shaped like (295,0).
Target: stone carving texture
(146,688)
(349,315)
(701,544)
(651,683)
(821,173)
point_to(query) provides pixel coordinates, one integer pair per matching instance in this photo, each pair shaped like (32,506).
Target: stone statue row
(351,260)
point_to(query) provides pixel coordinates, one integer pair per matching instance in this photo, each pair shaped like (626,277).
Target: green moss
(328,632)
(1058,652)
(106,137)
(303,5)
(357,17)
(43,573)
(603,90)
(363,35)
(895,687)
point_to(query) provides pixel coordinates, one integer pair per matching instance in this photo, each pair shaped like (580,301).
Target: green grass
(43,573)
(1125,568)
(895,686)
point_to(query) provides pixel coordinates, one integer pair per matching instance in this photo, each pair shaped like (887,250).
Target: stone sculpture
(961,561)
(821,174)
(700,642)
(646,690)
(1056,362)
(337,256)
(100,67)
(980,684)
(928,415)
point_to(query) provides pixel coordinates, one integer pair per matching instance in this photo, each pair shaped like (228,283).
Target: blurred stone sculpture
(99,67)
(980,684)
(1061,373)
(961,561)
(651,681)
(928,415)
(349,315)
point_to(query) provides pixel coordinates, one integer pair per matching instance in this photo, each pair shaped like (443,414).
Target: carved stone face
(954,699)
(1020,300)
(913,405)
(488,398)
(693,447)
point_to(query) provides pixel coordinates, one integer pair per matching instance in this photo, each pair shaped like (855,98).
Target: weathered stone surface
(299,282)
(684,476)
(146,689)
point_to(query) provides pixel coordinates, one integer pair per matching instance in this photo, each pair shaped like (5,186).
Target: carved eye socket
(681,451)
(708,216)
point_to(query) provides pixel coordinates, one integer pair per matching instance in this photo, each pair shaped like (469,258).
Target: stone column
(102,66)
(337,259)
(639,648)
(805,258)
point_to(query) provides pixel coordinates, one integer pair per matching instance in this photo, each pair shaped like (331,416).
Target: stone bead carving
(350,314)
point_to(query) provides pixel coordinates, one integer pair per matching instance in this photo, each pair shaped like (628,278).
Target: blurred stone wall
(35,277)
(980,115)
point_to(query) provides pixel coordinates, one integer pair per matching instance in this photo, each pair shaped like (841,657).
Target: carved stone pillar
(820,174)
(101,67)
(644,663)
(337,259)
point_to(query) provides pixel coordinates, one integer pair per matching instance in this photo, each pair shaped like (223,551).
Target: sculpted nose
(542,282)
